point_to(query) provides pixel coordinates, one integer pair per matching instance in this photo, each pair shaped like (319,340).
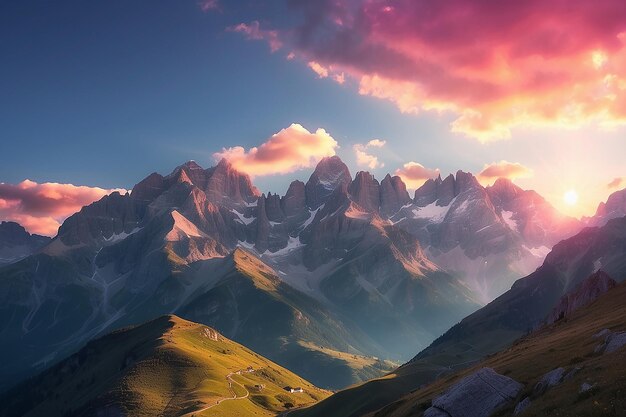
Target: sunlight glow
(570,197)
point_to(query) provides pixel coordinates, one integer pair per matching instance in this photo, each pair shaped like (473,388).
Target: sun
(570,197)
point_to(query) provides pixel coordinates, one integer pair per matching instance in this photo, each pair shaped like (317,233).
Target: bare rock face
(16,243)
(272,208)
(477,395)
(536,220)
(614,207)
(584,294)
(294,201)
(393,195)
(615,341)
(330,174)
(112,215)
(226,183)
(365,191)
(436,190)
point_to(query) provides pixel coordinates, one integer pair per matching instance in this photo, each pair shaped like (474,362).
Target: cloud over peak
(364,156)
(503,169)
(41,207)
(415,174)
(289,150)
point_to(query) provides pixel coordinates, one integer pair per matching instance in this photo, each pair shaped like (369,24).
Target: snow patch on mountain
(183,228)
(507,216)
(241,219)
(432,212)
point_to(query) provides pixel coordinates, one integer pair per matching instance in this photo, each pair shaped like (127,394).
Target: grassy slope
(168,367)
(563,344)
(567,344)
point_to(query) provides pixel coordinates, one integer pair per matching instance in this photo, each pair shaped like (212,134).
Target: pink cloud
(291,149)
(363,154)
(208,5)
(615,183)
(41,208)
(503,169)
(495,65)
(253,31)
(414,174)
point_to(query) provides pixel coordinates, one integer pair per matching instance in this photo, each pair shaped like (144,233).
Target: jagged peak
(332,164)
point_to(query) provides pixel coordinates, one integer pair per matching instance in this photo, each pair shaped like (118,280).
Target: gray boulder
(551,379)
(476,395)
(614,342)
(521,406)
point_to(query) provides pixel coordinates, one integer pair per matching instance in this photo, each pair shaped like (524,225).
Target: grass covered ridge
(167,367)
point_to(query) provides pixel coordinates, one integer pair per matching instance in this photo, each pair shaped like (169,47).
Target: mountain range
(331,280)
(578,270)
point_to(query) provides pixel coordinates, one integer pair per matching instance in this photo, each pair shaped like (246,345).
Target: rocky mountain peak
(465,181)
(505,188)
(393,194)
(225,182)
(294,200)
(615,206)
(330,174)
(365,191)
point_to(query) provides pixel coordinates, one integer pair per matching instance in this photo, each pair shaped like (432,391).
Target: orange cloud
(615,183)
(41,208)
(503,169)
(363,155)
(526,64)
(414,174)
(290,149)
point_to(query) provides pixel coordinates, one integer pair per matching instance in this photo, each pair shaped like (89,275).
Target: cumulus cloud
(524,64)
(615,183)
(290,149)
(41,208)
(364,157)
(503,169)
(414,174)
(253,31)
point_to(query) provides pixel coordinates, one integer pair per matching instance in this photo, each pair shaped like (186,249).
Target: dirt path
(231,381)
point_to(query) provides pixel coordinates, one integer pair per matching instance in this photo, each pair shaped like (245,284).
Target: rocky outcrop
(551,379)
(477,395)
(226,184)
(393,195)
(614,207)
(365,191)
(16,243)
(330,174)
(536,220)
(521,406)
(614,342)
(436,190)
(584,294)
(294,201)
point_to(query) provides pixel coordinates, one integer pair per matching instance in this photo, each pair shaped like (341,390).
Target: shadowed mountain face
(575,273)
(16,243)
(166,367)
(335,265)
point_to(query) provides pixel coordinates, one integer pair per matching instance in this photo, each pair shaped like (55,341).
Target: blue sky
(104,93)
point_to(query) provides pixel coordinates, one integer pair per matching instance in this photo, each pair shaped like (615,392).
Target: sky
(97,95)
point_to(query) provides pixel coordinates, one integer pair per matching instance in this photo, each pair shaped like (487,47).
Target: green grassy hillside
(166,367)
